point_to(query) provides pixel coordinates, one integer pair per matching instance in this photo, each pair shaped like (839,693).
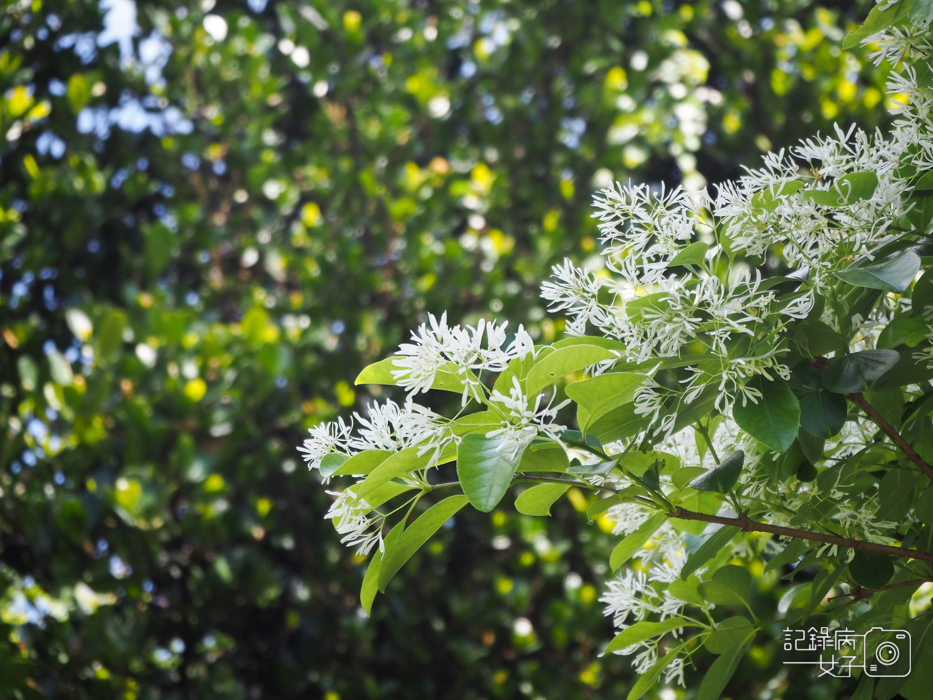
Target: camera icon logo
(886,653)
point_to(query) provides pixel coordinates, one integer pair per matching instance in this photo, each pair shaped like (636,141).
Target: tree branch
(859,400)
(859,593)
(749,525)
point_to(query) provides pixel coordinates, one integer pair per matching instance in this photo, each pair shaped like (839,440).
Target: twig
(859,400)
(859,593)
(749,525)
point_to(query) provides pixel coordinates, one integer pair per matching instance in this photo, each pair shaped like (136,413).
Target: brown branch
(749,525)
(859,593)
(859,400)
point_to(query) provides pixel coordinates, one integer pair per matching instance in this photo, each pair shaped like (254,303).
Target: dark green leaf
(871,570)
(810,445)
(722,670)
(723,476)
(857,372)
(822,413)
(893,275)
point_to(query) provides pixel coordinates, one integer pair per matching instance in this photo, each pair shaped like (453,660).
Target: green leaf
(546,458)
(699,502)
(79,324)
(895,494)
(597,340)
(78,91)
(371,578)
(371,582)
(446,378)
(892,275)
(332,462)
(866,689)
(822,413)
(921,12)
(731,584)
(398,464)
(817,338)
(641,631)
(909,330)
(362,463)
(485,467)
(60,369)
(811,446)
(723,476)
(856,187)
(822,197)
(774,420)
(601,469)
(871,570)
(687,590)
(722,670)
(110,338)
(28,372)
(635,541)
(481,421)
(682,477)
(710,548)
(601,394)
(647,680)
(693,254)
(791,552)
(562,362)
(538,499)
(599,507)
(416,535)
(877,20)
(857,372)
(728,633)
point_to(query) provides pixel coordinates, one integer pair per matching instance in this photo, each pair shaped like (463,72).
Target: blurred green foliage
(207,226)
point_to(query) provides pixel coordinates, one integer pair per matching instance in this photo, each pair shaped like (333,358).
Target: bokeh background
(212,216)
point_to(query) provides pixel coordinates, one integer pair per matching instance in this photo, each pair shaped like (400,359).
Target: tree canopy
(212,216)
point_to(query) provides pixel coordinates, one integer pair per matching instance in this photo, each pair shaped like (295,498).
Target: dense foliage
(212,216)
(710,401)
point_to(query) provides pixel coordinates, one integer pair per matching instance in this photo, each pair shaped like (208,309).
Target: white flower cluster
(387,426)
(522,421)
(435,346)
(352,518)
(462,351)
(828,202)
